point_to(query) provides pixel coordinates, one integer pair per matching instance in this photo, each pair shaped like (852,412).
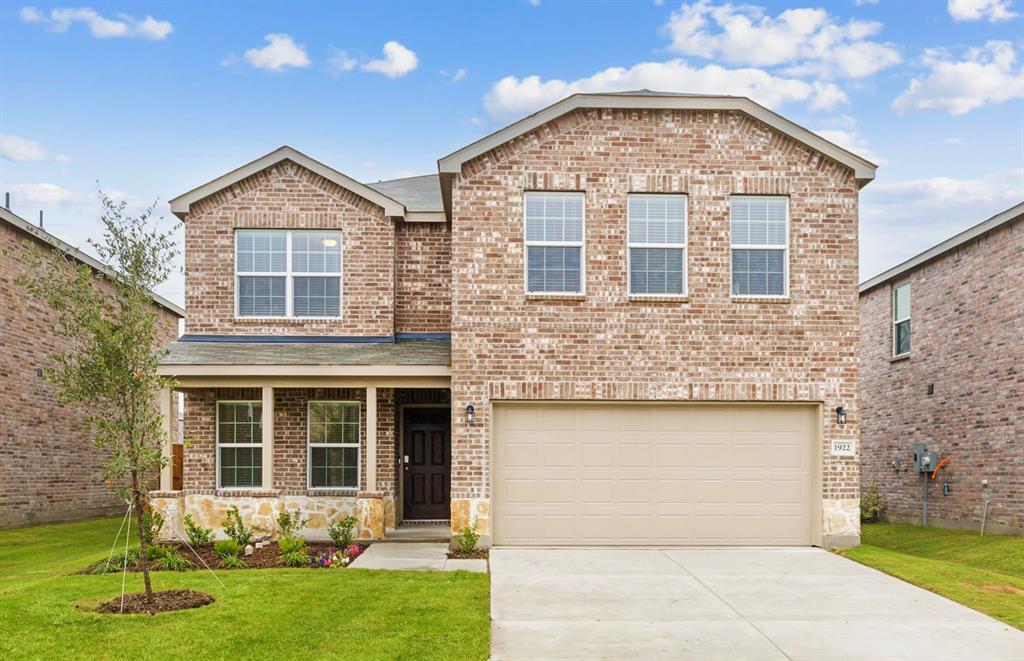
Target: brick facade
(49,469)
(605,345)
(967,344)
(423,278)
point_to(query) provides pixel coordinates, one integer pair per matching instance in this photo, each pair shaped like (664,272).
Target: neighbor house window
(284,273)
(901,320)
(554,243)
(657,244)
(333,445)
(239,445)
(760,245)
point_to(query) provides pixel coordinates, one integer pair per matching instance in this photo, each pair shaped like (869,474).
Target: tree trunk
(139,506)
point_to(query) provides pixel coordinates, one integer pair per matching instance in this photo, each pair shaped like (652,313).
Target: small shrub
(152,524)
(293,551)
(197,535)
(232,562)
(235,529)
(228,548)
(871,504)
(170,559)
(468,538)
(116,562)
(342,532)
(157,551)
(290,544)
(290,522)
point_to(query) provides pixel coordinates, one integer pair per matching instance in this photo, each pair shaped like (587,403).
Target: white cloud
(455,76)
(902,218)
(48,195)
(398,61)
(535,3)
(279,53)
(808,41)
(16,148)
(852,141)
(124,26)
(987,75)
(513,97)
(340,62)
(953,141)
(976,10)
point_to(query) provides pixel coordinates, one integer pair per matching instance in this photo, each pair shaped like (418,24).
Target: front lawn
(45,608)
(984,573)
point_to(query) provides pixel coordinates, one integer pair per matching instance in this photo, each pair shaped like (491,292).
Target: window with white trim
(333,445)
(901,320)
(657,244)
(760,245)
(288,273)
(554,243)
(239,445)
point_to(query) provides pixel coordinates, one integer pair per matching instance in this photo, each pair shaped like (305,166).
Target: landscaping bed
(268,557)
(163,601)
(474,554)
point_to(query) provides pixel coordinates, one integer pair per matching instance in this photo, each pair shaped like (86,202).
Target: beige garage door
(653,474)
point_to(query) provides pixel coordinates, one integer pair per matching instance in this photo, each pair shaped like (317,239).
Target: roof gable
(181,205)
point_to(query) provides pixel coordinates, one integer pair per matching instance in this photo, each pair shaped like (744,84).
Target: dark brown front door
(427,463)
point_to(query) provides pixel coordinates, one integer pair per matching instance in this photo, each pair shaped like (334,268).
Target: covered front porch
(331,429)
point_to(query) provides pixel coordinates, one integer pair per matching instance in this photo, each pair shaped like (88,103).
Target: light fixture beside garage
(840,415)
(470,414)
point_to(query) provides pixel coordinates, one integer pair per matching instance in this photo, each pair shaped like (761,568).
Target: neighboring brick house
(942,363)
(625,319)
(49,468)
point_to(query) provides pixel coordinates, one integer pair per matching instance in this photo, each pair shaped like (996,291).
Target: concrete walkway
(725,604)
(414,555)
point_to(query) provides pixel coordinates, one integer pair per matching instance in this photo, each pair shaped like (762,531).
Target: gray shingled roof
(419,352)
(421,193)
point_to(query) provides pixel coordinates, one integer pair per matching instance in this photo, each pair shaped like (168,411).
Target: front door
(427,463)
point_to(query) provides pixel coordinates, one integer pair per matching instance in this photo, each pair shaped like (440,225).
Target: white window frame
(896,322)
(219,445)
(357,445)
(581,244)
(289,276)
(684,246)
(775,246)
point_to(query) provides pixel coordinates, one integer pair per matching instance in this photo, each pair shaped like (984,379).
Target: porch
(333,429)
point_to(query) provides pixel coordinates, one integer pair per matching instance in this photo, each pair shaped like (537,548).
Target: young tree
(110,369)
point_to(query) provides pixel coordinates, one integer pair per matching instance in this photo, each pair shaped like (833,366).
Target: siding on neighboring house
(49,469)
(967,343)
(605,345)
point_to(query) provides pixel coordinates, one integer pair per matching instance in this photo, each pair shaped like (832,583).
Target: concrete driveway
(725,604)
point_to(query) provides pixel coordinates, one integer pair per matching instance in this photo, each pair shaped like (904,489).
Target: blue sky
(153,99)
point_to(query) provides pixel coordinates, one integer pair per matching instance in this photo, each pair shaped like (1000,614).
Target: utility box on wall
(925,460)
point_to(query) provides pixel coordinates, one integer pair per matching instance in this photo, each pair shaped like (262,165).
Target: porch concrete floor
(725,604)
(416,556)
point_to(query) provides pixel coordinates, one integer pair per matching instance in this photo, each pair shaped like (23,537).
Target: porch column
(268,438)
(167,412)
(371,438)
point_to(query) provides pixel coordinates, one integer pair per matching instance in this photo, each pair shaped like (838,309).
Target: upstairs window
(760,245)
(554,243)
(901,320)
(657,245)
(288,273)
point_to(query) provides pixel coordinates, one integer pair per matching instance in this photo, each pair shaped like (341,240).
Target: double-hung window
(554,243)
(657,245)
(288,273)
(901,320)
(333,445)
(760,245)
(239,445)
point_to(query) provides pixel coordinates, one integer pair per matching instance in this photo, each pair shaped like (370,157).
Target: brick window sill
(783,300)
(899,359)
(556,297)
(644,298)
(247,493)
(287,321)
(333,493)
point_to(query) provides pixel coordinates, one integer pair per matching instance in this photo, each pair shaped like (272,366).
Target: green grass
(983,573)
(45,608)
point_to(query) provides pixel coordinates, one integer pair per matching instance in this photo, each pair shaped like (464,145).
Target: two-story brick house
(625,319)
(942,350)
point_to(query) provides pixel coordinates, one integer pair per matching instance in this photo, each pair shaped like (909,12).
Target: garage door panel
(634,474)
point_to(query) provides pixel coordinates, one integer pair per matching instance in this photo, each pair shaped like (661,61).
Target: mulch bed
(267,557)
(163,601)
(475,554)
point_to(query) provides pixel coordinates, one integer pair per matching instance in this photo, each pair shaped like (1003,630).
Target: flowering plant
(354,551)
(327,559)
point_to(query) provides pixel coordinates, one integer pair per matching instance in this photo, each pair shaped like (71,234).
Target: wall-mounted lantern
(840,415)
(470,414)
